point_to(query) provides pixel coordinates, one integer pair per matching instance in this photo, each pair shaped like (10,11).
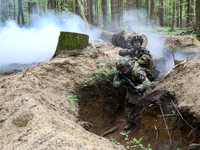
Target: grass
(72,97)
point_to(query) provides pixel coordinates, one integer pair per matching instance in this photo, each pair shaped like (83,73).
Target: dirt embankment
(39,109)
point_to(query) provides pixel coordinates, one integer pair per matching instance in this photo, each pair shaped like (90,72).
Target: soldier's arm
(117,81)
(124,52)
(144,59)
(142,77)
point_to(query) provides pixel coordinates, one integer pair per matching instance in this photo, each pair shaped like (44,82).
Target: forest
(111,14)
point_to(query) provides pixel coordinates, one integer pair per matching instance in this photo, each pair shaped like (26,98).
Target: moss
(198,37)
(71,41)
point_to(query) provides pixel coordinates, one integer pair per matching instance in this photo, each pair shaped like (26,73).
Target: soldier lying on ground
(138,77)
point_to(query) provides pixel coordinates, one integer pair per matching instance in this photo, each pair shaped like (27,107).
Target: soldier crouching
(129,73)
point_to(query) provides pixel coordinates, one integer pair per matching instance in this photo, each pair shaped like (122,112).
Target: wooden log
(70,41)
(122,39)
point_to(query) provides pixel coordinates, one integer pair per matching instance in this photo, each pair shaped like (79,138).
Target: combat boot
(128,125)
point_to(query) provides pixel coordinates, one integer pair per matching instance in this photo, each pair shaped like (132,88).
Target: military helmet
(122,63)
(136,38)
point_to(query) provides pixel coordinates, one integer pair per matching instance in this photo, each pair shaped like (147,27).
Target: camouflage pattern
(136,38)
(122,63)
(119,40)
(144,60)
(138,76)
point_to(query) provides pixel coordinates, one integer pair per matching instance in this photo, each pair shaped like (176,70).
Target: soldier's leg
(129,115)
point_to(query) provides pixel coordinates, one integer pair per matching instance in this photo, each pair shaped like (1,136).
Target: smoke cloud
(136,22)
(38,42)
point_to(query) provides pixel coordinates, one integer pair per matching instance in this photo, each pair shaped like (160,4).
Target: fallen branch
(182,64)
(110,130)
(193,145)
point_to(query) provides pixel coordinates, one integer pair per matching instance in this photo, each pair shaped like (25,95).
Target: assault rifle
(140,49)
(129,82)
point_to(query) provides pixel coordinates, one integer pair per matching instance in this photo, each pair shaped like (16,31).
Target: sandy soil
(37,112)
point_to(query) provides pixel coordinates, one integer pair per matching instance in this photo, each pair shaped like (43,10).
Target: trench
(160,125)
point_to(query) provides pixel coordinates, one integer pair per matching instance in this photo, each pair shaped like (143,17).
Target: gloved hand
(123,82)
(139,88)
(131,51)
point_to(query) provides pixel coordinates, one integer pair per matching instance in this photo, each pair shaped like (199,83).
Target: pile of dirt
(185,44)
(69,103)
(37,107)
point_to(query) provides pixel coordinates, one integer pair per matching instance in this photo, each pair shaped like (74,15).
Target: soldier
(144,59)
(136,75)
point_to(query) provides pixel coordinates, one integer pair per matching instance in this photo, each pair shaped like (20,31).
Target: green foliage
(188,75)
(66,82)
(69,109)
(134,143)
(85,138)
(109,65)
(113,141)
(98,74)
(72,97)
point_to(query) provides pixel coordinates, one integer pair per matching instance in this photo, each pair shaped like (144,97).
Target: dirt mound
(69,102)
(37,107)
(186,44)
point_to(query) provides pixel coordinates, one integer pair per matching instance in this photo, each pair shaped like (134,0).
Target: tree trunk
(88,11)
(9,10)
(77,8)
(181,14)
(173,15)
(91,12)
(177,14)
(198,19)
(70,41)
(188,13)
(82,13)
(4,9)
(53,5)
(147,11)
(14,13)
(104,10)
(20,13)
(72,6)
(138,4)
(96,21)
(129,4)
(191,11)
(120,12)
(113,13)
(160,14)
(152,10)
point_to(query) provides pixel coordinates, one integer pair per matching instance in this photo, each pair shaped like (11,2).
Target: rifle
(140,49)
(129,82)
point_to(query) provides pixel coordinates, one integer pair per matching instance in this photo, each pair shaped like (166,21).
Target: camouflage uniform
(138,76)
(144,60)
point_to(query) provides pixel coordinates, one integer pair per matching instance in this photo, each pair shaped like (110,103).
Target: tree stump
(70,41)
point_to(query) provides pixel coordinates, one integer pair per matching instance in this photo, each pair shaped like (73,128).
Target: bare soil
(37,112)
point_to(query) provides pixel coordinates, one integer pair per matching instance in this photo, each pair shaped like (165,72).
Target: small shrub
(134,143)
(72,97)
(109,65)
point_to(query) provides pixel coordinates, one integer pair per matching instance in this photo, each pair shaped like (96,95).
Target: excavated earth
(39,108)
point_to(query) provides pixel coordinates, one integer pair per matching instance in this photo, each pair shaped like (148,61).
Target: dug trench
(157,119)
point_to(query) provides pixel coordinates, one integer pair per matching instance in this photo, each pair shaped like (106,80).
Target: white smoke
(38,42)
(136,22)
